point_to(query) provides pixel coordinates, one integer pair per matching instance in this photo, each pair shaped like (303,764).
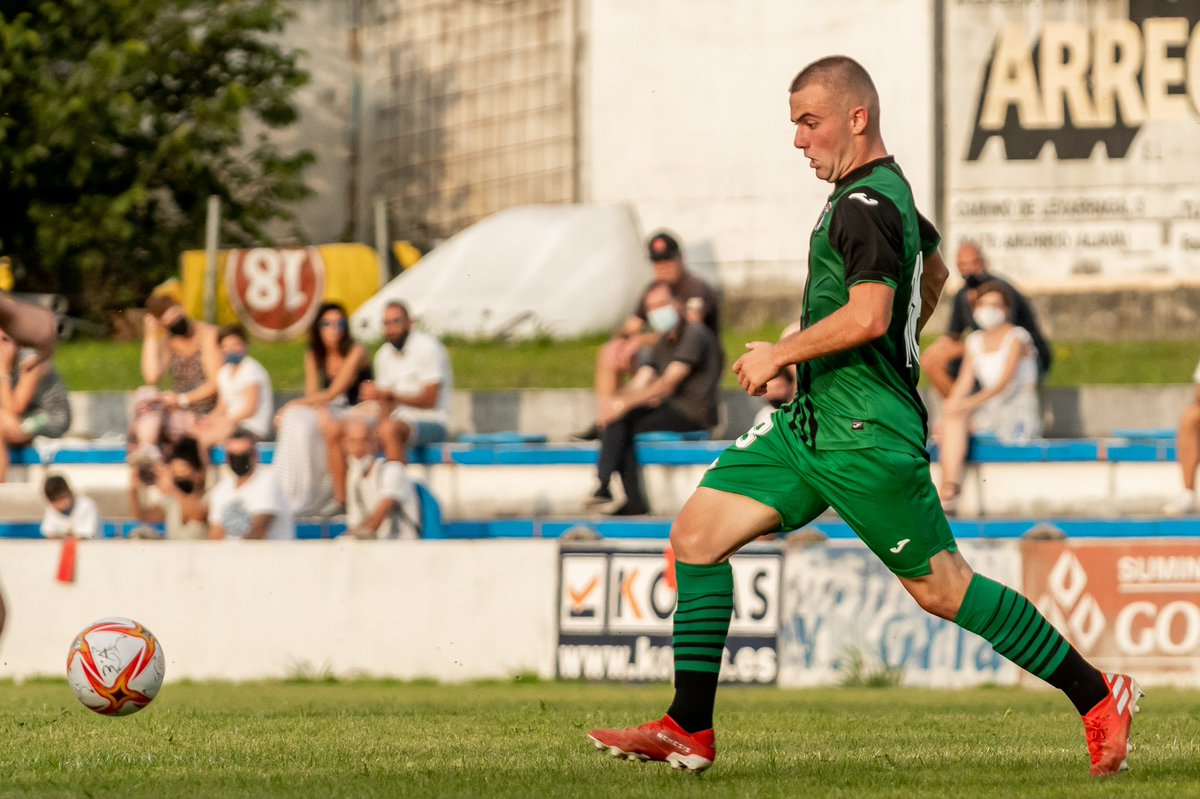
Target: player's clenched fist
(756,367)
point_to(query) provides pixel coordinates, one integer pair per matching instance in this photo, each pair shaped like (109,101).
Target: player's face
(823,131)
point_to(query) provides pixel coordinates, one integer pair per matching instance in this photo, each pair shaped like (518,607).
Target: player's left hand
(756,367)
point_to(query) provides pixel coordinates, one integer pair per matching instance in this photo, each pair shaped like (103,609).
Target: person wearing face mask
(409,397)
(244,396)
(618,359)
(1001,359)
(675,390)
(173,496)
(249,502)
(68,513)
(382,501)
(942,359)
(184,354)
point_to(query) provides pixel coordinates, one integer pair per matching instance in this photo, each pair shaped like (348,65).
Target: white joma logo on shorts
(899,546)
(863,198)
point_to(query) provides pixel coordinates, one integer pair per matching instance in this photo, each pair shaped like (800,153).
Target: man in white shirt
(410,395)
(382,500)
(244,396)
(68,514)
(249,503)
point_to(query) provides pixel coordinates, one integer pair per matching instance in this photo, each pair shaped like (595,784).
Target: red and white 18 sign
(275,292)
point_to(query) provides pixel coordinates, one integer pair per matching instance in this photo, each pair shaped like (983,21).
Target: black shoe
(591,434)
(601,497)
(631,509)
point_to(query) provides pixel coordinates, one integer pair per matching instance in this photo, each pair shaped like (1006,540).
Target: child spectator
(244,397)
(68,514)
(33,399)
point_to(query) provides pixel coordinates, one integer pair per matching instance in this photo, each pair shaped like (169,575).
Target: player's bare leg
(712,526)
(1187,451)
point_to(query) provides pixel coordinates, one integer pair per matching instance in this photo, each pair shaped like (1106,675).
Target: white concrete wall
(253,610)
(683,109)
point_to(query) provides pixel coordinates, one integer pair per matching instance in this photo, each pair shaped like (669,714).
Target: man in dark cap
(618,358)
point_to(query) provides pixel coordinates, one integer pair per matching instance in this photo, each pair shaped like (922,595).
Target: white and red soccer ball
(115,666)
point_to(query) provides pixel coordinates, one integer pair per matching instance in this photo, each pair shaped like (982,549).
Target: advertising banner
(1071,130)
(275,291)
(846,618)
(1128,606)
(616,603)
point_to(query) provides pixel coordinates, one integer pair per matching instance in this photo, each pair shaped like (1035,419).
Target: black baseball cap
(663,247)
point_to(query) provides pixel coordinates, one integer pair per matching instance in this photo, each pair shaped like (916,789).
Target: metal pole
(381,241)
(210,262)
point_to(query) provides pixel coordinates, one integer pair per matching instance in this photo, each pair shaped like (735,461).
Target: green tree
(118,118)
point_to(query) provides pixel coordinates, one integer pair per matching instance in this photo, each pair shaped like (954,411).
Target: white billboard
(1071,136)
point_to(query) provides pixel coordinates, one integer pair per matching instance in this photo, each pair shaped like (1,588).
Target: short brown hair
(233,330)
(844,76)
(55,487)
(158,304)
(994,287)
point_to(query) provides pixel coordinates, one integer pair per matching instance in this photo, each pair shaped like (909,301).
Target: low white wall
(253,610)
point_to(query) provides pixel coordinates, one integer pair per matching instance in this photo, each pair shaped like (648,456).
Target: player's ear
(859,117)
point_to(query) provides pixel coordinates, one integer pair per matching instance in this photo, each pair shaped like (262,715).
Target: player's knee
(942,605)
(692,543)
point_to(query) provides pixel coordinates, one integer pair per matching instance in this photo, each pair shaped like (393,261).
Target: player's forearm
(844,329)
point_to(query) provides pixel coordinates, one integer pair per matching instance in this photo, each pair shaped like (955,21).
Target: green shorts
(887,497)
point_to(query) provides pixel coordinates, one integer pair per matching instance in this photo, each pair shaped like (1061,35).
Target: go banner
(275,291)
(1128,605)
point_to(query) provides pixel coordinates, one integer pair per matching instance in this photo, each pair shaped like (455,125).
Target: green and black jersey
(869,232)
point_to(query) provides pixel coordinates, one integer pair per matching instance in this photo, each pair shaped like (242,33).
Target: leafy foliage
(119,117)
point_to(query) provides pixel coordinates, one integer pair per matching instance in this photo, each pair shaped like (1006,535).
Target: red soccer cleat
(1107,725)
(663,741)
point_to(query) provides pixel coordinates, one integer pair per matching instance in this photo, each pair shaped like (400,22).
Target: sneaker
(662,741)
(1183,504)
(630,508)
(602,496)
(1106,726)
(591,434)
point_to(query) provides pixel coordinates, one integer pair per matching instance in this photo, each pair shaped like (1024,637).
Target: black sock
(695,695)
(1081,681)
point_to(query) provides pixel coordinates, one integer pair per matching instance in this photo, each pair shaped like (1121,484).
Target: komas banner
(1128,606)
(1071,130)
(615,611)
(847,618)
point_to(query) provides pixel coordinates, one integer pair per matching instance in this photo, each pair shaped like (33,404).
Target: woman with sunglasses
(335,365)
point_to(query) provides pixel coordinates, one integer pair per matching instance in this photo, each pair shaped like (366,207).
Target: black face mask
(975,281)
(398,341)
(240,463)
(185,484)
(180,327)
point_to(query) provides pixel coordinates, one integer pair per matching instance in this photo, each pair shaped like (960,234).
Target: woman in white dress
(996,390)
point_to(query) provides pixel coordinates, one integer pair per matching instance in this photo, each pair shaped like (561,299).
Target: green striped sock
(702,615)
(1013,626)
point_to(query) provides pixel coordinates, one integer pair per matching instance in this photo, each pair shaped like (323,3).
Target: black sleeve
(867,232)
(640,311)
(931,239)
(692,346)
(961,318)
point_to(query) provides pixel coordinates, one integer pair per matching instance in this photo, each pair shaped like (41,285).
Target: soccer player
(852,438)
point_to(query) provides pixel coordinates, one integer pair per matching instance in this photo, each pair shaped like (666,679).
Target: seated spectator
(620,357)
(68,514)
(29,326)
(410,395)
(187,354)
(174,494)
(1000,357)
(244,397)
(942,359)
(249,503)
(1187,451)
(382,500)
(33,399)
(675,390)
(335,366)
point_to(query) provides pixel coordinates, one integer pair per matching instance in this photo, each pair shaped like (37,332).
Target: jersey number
(760,429)
(911,347)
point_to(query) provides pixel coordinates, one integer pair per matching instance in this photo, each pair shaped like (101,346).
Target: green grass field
(89,365)
(526,738)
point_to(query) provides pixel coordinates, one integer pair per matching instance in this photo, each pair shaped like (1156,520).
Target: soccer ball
(115,666)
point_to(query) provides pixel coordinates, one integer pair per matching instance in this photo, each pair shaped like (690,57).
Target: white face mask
(363,464)
(989,317)
(664,319)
